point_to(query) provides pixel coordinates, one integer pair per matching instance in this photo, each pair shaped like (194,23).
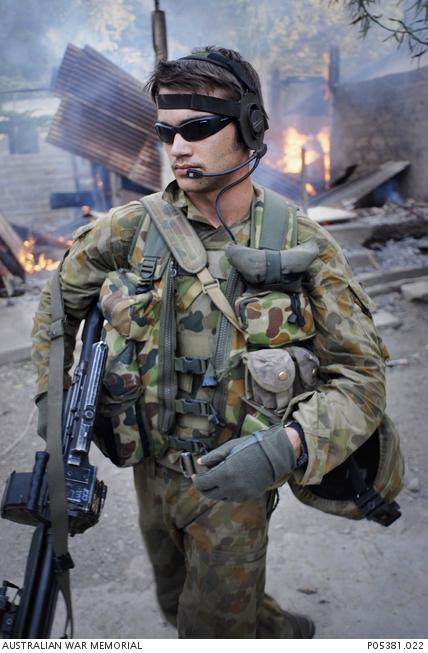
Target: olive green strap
(55,469)
(187,249)
(177,232)
(211,287)
(279,227)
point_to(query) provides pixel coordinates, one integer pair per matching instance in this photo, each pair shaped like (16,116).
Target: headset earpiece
(252,122)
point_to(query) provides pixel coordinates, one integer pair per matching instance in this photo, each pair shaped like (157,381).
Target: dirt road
(357,580)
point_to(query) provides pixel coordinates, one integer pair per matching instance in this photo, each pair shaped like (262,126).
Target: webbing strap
(193,445)
(191,364)
(211,287)
(279,227)
(187,249)
(155,249)
(197,407)
(177,232)
(55,468)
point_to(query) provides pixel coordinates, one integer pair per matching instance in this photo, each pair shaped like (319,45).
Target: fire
(316,146)
(32,263)
(323,137)
(310,189)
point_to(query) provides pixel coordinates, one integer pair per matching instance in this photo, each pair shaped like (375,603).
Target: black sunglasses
(195,129)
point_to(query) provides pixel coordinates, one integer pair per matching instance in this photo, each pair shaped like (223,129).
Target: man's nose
(180,147)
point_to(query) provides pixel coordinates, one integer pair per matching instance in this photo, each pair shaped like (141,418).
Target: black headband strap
(198,102)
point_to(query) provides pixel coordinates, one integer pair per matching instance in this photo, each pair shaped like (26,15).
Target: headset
(247,111)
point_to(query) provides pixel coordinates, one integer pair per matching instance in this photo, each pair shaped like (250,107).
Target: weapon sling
(55,469)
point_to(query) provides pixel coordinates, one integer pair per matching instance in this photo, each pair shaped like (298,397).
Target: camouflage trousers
(208,557)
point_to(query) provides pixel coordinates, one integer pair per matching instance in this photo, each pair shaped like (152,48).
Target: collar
(178,198)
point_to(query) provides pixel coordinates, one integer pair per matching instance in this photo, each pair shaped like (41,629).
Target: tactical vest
(159,396)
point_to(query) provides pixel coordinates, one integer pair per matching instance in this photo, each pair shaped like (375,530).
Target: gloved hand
(244,468)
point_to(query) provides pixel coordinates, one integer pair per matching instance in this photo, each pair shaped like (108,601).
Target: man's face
(212,154)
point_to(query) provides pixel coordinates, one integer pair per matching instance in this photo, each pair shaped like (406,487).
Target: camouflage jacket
(348,404)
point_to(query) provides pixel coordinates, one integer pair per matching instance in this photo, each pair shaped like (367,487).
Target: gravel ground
(356,579)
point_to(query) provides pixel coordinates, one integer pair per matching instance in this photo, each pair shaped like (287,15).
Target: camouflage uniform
(209,557)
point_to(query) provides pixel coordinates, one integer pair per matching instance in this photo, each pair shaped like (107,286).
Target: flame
(315,146)
(310,189)
(323,137)
(32,263)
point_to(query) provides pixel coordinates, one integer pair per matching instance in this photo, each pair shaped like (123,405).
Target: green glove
(244,468)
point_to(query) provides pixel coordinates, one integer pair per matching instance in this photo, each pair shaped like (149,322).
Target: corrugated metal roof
(106,116)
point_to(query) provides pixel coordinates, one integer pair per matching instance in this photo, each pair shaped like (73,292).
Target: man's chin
(188,185)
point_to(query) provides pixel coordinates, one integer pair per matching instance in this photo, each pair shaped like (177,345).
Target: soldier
(243,353)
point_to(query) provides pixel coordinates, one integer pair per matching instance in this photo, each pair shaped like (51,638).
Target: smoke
(281,38)
(288,33)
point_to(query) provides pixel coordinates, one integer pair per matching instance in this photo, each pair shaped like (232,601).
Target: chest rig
(166,252)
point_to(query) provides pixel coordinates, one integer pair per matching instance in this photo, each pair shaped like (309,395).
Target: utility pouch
(275,319)
(269,378)
(126,305)
(129,308)
(272,378)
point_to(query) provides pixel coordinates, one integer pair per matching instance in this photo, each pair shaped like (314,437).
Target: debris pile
(12,273)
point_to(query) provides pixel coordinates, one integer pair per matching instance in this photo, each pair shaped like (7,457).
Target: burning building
(100,150)
(371,130)
(380,119)
(299,134)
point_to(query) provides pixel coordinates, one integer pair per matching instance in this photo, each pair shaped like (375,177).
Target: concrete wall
(380,120)
(26,181)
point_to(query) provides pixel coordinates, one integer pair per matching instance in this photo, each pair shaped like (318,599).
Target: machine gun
(30,613)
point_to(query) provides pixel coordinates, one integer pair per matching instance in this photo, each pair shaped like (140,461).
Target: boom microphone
(192,173)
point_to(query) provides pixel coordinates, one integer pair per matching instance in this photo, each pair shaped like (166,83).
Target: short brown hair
(194,75)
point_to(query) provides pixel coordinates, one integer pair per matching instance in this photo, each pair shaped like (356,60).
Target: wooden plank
(368,279)
(9,236)
(6,282)
(353,191)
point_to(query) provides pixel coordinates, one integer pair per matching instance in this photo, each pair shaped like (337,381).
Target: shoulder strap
(187,249)
(155,250)
(279,224)
(178,233)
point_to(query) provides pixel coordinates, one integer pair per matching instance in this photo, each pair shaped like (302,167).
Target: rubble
(384,320)
(397,362)
(417,291)
(413,485)
(354,191)
(12,274)
(330,214)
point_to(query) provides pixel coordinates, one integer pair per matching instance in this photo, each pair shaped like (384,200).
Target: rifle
(30,613)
